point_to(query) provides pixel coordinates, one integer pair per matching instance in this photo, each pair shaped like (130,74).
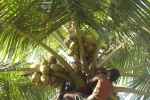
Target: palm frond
(126,20)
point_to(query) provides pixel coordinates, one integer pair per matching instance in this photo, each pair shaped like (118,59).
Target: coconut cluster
(43,73)
(71,41)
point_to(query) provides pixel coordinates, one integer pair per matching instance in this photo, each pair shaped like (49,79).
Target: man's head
(113,74)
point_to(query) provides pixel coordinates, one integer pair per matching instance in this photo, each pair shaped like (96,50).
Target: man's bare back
(104,87)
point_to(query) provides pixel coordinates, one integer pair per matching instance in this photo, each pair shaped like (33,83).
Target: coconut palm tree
(33,31)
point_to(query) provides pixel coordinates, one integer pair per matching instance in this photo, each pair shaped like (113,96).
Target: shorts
(78,97)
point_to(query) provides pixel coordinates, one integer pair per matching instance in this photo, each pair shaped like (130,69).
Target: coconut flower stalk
(94,57)
(81,50)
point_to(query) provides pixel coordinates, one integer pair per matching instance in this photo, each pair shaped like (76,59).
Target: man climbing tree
(103,88)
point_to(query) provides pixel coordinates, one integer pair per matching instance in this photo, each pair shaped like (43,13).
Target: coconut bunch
(71,41)
(43,74)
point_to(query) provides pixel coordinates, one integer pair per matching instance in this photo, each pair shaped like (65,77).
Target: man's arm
(94,79)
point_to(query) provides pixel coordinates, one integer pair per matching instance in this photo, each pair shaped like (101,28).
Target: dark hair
(113,74)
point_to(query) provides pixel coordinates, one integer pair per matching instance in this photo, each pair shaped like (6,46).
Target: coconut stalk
(19,69)
(24,83)
(79,82)
(94,57)
(59,38)
(123,89)
(81,47)
(122,71)
(63,76)
(109,57)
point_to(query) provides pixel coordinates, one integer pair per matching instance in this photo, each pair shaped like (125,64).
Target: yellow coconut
(89,39)
(52,79)
(44,69)
(74,46)
(56,83)
(71,52)
(89,48)
(60,85)
(53,67)
(35,79)
(36,67)
(44,78)
(44,62)
(56,68)
(71,31)
(60,68)
(73,37)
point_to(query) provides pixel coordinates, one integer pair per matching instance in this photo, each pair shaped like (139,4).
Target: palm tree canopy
(24,24)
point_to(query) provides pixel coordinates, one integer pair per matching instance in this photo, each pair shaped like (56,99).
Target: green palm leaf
(31,31)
